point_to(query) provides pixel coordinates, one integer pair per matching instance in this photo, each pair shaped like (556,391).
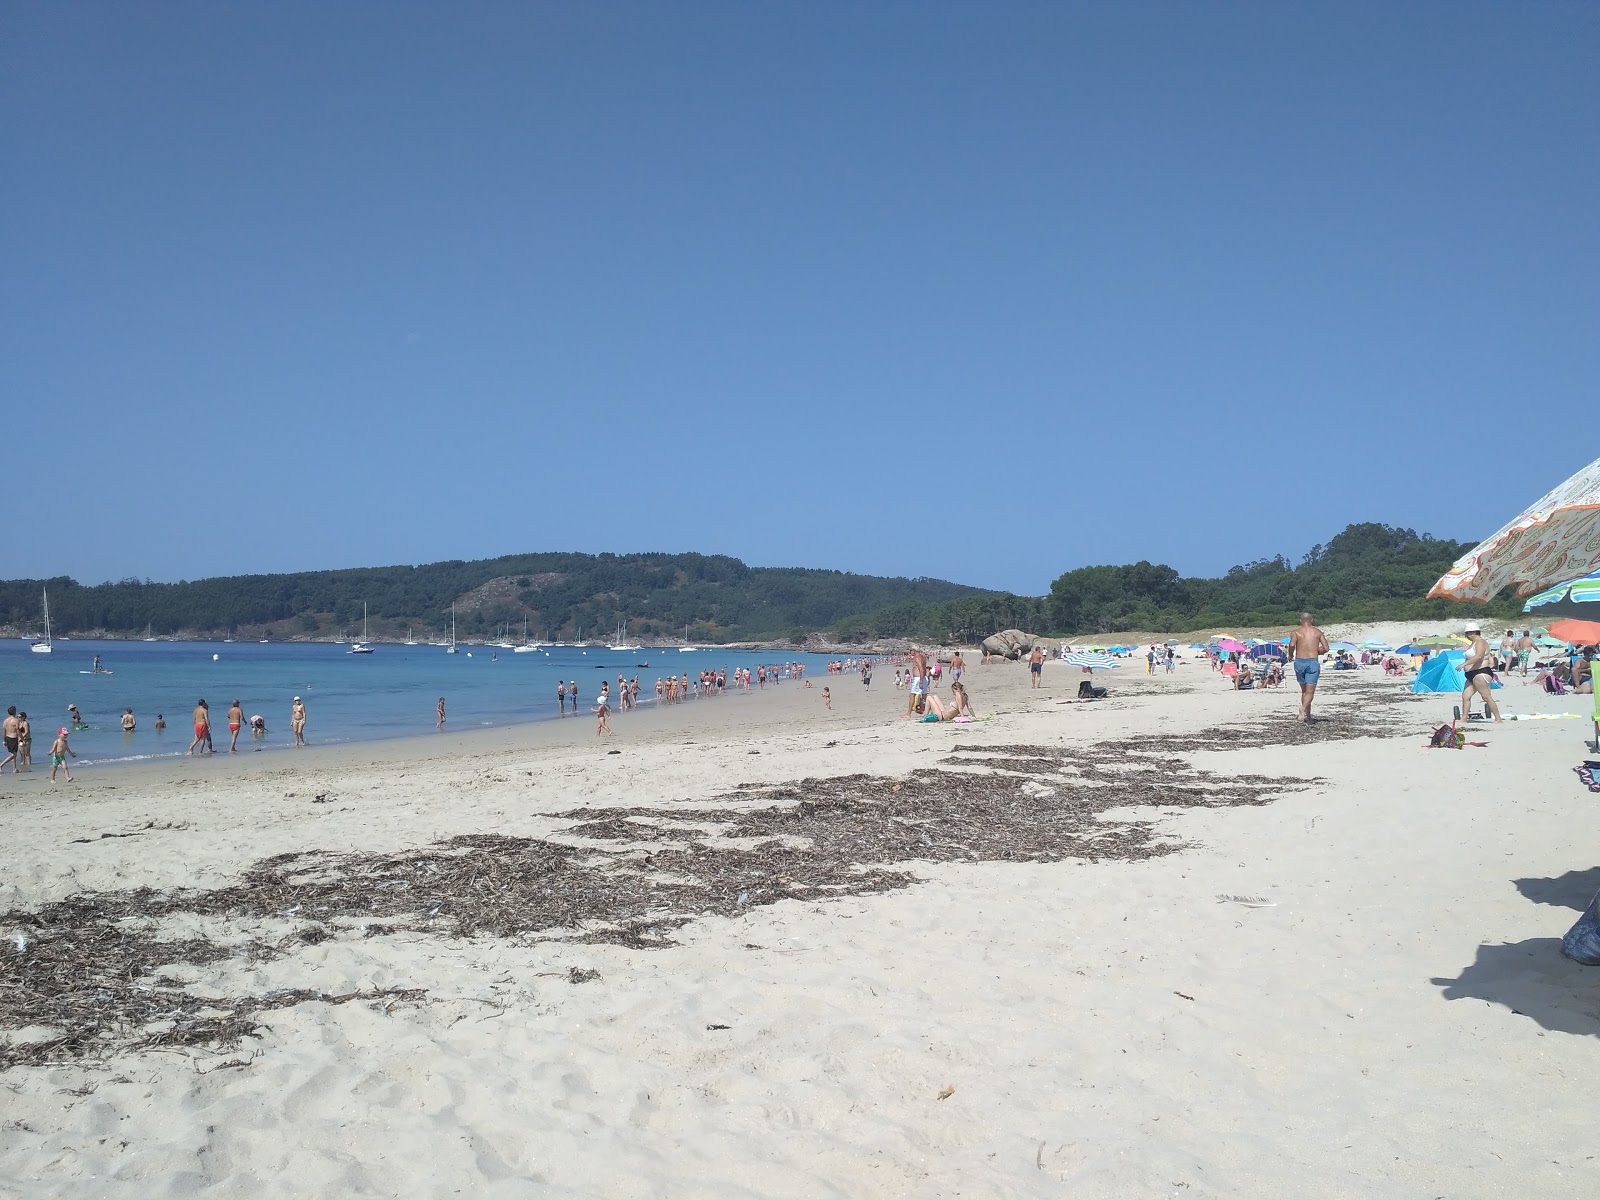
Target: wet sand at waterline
(1171,943)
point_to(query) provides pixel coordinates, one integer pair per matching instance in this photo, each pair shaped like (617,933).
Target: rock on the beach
(1014,643)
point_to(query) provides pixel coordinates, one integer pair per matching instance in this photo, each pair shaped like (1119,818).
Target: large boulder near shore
(1014,643)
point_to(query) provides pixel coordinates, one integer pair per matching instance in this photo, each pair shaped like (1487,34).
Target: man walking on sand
(1525,651)
(1307,645)
(1036,666)
(1479,674)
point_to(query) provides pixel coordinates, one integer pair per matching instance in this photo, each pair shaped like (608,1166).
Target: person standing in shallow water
(440,725)
(297,721)
(561,696)
(1307,645)
(10,728)
(202,727)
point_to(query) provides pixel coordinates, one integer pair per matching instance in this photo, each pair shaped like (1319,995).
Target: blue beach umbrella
(1343,646)
(1268,650)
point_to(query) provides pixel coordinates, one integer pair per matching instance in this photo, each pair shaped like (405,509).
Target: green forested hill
(720,598)
(1368,572)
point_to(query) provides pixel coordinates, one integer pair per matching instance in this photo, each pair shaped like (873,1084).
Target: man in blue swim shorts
(1307,645)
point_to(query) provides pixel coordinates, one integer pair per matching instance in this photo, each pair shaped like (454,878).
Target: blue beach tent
(1442,673)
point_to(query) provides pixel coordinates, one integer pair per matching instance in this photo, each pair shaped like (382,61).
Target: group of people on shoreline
(16,731)
(675,689)
(236,722)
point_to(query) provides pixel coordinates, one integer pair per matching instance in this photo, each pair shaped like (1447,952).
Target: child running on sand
(59,753)
(827,700)
(602,710)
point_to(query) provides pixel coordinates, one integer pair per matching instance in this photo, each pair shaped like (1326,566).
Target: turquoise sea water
(390,693)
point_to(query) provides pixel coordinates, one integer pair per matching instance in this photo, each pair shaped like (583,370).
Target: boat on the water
(622,640)
(527,647)
(451,647)
(361,647)
(44,647)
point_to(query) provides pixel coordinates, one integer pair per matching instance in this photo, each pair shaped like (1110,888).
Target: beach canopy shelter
(1268,650)
(1578,633)
(1555,538)
(1442,673)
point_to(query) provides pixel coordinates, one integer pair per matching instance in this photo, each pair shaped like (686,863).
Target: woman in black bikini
(1479,676)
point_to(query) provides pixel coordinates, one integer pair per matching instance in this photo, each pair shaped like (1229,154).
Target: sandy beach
(1171,943)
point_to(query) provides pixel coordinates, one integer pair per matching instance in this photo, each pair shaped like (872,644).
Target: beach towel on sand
(1582,943)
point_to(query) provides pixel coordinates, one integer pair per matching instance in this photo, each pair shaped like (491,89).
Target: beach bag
(1447,737)
(1582,943)
(1554,686)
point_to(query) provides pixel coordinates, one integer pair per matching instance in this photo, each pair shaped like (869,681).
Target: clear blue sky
(979,291)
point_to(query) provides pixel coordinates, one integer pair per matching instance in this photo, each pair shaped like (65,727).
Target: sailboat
(44,646)
(527,647)
(410,641)
(686,648)
(451,648)
(622,640)
(361,647)
(149,635)
(505,638)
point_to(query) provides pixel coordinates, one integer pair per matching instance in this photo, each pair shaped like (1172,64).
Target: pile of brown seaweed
(83,976)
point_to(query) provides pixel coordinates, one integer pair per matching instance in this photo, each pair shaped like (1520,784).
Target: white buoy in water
(216,658)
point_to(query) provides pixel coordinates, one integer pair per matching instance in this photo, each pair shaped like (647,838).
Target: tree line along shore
(1367,572)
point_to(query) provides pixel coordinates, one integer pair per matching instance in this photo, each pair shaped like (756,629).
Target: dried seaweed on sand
(83,976)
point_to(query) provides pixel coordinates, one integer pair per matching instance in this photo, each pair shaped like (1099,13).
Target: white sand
(1392,1019)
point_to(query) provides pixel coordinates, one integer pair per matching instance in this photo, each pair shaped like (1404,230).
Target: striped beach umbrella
(1557,537)
(1578,591)
(1091,662)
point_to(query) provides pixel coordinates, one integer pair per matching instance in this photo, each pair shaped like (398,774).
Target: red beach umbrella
(1579,633)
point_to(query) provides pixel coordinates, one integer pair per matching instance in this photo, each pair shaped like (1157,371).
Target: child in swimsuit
(59,753)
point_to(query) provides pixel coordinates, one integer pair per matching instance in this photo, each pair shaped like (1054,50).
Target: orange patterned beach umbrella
(1555,538)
